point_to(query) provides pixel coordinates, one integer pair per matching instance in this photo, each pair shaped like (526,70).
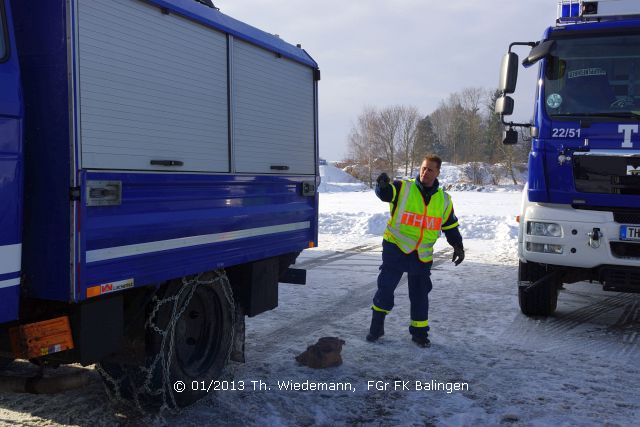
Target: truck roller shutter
(273,107)
(153,89)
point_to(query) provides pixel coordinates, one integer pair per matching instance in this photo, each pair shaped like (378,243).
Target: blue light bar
(569,10)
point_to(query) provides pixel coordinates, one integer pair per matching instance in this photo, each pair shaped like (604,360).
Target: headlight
(544,248)
(548,229)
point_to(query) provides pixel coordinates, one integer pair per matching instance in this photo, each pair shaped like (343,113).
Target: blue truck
(580,216)
(158,178)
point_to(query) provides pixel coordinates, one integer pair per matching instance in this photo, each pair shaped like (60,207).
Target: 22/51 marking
(565,133)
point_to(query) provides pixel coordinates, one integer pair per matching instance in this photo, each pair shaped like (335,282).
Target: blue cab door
(11,165)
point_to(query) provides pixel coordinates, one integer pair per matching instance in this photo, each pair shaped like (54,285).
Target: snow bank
(336,180)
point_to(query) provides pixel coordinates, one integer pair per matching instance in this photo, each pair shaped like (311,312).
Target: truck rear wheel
(189,331)
(540,300)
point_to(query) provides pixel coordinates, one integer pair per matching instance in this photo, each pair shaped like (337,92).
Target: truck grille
(607,174)
(625,249)
(620,279)
(622,217)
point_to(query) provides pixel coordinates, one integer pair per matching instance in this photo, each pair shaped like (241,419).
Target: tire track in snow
(585,314)
(337,256)
(629,325)
(567,333)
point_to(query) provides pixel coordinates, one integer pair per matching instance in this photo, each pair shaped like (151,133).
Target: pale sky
(410,52)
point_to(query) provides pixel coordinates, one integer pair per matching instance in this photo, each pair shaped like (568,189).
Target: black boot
(421,340)
(377,325)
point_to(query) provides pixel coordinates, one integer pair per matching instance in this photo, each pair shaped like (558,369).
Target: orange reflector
(41,338)
(94,291)
(518,219)
(312,245)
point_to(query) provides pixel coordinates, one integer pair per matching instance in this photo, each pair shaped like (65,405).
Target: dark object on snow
(323,354)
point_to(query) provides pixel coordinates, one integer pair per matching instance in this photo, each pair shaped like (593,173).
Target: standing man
(420,209)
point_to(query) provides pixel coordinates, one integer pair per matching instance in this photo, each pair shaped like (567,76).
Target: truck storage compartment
(152,89)
(273,112)
(607,174)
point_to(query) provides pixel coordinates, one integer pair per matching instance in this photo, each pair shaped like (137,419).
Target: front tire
(541,300)
(189,331)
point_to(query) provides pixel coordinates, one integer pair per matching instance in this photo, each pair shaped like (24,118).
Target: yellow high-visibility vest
(415,226)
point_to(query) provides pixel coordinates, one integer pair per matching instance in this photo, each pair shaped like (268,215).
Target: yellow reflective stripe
(449,227)
(419,323)
(382,310)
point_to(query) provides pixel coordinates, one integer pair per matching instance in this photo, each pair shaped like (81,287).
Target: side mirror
(538,52)
(510,137)
(504,106)
(508,73)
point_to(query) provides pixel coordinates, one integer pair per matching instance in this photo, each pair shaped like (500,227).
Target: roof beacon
(586,10)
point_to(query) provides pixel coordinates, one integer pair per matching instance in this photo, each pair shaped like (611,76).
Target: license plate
(630,232)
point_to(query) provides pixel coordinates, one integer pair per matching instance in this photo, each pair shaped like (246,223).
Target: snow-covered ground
(578,367)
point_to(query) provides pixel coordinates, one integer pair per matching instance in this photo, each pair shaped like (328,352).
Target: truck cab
(580,217)
(11,167)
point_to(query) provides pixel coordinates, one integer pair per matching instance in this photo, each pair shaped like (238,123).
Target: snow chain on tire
(141,391)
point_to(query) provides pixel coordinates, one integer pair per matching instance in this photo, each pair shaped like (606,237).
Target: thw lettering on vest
(413,219)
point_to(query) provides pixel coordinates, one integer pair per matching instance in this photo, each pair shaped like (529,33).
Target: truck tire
(189,332)
(541,300)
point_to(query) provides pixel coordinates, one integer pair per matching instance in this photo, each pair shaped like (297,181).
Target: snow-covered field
(578,367)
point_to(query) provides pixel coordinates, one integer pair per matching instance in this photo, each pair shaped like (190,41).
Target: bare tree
(386,133)
(462,129)
(409,117)
(470,101)
(362,142)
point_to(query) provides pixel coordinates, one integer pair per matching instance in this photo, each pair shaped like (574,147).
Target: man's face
(428,173)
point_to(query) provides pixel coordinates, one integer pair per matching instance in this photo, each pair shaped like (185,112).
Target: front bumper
(579,248)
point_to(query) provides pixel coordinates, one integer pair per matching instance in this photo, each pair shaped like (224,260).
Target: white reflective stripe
(9,283)
(447,201)
(10,258)
(185,242)
(408,243)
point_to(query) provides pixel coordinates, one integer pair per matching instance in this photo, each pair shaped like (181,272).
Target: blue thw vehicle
(158,176)
(580,217)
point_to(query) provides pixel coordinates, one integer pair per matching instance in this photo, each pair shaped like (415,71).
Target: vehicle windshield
(595,76)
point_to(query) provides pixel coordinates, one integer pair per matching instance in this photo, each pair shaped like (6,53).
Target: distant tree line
(463,129)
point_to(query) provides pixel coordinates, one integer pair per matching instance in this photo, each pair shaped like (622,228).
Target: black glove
(458,255)
(383,180)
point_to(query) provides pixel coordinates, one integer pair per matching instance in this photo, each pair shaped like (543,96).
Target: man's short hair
(433,158)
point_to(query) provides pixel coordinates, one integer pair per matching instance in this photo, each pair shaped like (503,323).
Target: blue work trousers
(394,264)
